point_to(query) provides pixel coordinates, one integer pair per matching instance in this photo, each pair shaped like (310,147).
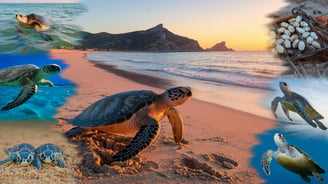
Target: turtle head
(49,70)
(280,140)
(25,157)
(47,156)
(284,87)
(177,95)
(22,18)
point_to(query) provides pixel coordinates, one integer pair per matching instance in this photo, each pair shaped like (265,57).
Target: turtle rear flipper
(317,176)
(26,93)
(306,178)
(321,125)
(142,139)
(266,160)
(303,114)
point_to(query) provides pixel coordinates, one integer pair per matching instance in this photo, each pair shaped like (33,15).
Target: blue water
(43,104)
(311,140)
(251,69)
(16,38)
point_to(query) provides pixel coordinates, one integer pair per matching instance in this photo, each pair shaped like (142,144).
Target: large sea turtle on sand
(297,103)
(48,153)
(134,111)
(22,154)
(28,76)
(37,22)
(291,158)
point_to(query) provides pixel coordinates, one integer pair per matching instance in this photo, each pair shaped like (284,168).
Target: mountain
(156,39)
(220,47)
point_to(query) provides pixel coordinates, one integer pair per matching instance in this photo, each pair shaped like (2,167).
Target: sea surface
(17,38)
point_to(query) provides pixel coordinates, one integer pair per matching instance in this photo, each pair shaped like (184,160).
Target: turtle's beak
(24,163)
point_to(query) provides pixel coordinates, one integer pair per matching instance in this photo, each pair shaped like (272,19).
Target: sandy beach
(217,139)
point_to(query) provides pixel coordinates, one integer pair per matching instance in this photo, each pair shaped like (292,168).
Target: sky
(241,23)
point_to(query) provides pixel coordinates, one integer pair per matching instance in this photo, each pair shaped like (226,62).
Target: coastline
(209,128)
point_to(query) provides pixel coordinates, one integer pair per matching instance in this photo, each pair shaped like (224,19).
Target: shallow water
(16,38)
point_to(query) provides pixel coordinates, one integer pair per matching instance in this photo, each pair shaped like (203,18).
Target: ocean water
(254,69)
(16,38)
(312,141)
(43,104)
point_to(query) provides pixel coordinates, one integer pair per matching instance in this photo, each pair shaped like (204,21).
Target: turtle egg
(281,30)
(313,35)
(301,45)
(298,18)
(287,44)
(316,45)
(286,32)
(300,30)
(291,29)
(279,41)
(305,34)
(307,28)
(284,24)
(285,37)
(309,40)
(291,20)
(280,49)
(304,24)
(295,24)
(295,43)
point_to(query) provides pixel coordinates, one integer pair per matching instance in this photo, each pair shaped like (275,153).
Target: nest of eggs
(298,37)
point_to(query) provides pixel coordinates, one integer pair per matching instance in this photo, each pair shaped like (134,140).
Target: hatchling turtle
(134,111)
(293,159)
(28,76)
(22,154)
(48,153)
(297,103)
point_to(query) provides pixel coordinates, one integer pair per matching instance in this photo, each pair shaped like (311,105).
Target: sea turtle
(134,111)
(297,103)
(291,158)
(22,154)
(48,153)
(37,22)
(28,76)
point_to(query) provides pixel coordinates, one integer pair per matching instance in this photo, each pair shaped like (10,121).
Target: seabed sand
(213,133)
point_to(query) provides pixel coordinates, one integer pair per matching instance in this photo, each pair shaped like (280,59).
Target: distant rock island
(220,47)
(156,39)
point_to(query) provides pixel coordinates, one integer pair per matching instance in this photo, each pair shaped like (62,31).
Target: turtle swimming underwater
(49,153)
(291,158)
(297,103)
(28,76)
(134,111)
(22,154)
(37,22)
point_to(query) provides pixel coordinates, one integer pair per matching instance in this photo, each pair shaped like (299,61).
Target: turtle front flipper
(318,177)
(266,160)
(142,139)
(274,105)
(320,125)
(306,178)
(61,163)
(44,82)
(176,124)
(37,162)
(286,111)
(11,158)
(303,114)
(26,93)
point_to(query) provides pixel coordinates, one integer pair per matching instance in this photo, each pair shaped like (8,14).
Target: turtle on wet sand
(134,111)
(48,153)
(28,76)
(23,154)
(297,103)
(291,158)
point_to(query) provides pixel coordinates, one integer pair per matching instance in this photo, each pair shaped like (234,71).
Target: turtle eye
(284,83)
(18,159)
(29,158)
(42,156)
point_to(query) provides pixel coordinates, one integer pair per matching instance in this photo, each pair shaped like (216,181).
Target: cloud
(39,1)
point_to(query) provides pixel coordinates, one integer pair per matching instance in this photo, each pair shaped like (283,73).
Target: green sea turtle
(297,103)
(291,158)
(134,111)
(22,154)
(28,76)
(48,153)
(37,22)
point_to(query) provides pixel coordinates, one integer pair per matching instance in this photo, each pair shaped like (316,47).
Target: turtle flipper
(61,163)
(306,178)
(44,82)
(274,105)
(318,177)
(142,139)
(286,111)
(266,160)
(11,158)
(303,114)
(74,132)
(321,125)
(176,124)
(26,93)
(37,162)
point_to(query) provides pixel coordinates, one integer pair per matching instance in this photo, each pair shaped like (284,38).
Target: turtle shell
(13,73)
(48,146)
(319,169)
(20,147)
(114,109)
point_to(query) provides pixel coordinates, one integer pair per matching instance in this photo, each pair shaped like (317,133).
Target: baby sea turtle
(293,159)
(48,153)
(28,76)
(134,111)
(297,103)
(22,154)
(37,22)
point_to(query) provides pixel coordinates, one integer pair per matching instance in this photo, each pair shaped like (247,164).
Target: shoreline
(209,128)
